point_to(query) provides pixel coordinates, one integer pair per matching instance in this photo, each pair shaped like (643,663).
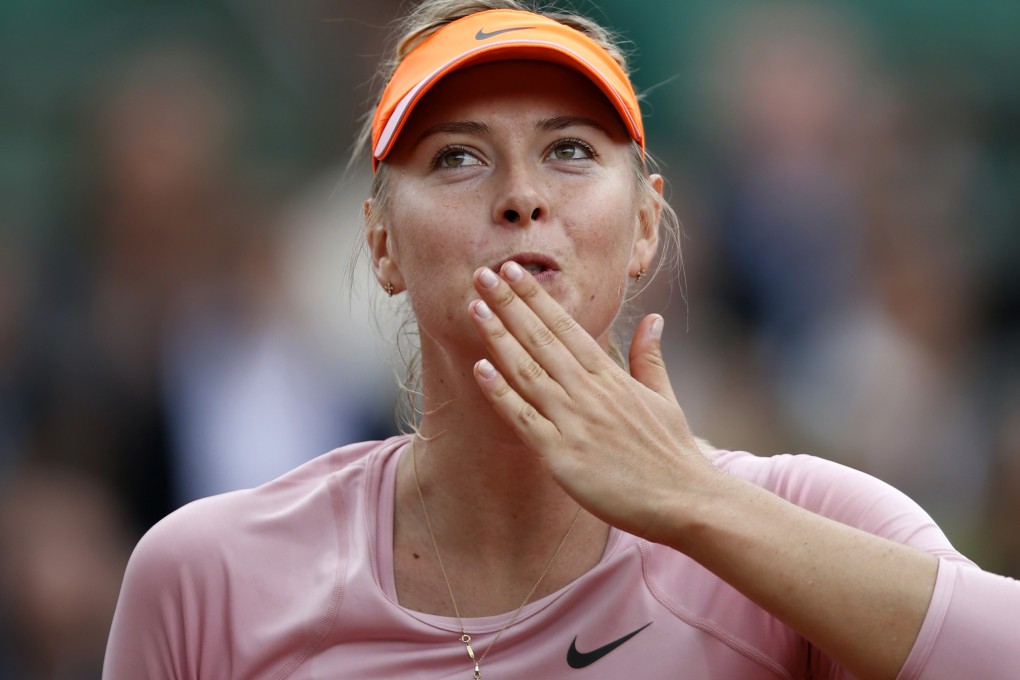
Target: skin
(511,195)
(526,417)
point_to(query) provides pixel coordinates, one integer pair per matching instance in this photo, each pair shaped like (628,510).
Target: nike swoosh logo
(482,35)
(576,659)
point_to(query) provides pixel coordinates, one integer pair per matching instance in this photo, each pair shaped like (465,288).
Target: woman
(553,516)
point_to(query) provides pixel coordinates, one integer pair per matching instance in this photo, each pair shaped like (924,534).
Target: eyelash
(456,148)
(576,142)
(446,151)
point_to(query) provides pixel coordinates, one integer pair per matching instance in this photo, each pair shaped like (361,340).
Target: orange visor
(498,35)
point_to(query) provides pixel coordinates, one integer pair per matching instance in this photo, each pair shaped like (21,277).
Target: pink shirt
(294,579)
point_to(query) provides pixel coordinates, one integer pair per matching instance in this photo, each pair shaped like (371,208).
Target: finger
(646,362)
(530,331)
(577,341)
(534,429)
(519,368)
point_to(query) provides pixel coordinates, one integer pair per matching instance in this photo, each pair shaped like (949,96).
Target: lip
(548,267)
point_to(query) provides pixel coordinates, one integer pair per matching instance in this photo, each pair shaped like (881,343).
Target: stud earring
(389,288)
(640,274)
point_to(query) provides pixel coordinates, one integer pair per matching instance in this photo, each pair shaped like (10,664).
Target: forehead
(542,89)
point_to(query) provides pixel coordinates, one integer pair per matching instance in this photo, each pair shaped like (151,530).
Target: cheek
(420,241)
(429,254)
(602,227)
(433,229)
(435,260)
(602,233)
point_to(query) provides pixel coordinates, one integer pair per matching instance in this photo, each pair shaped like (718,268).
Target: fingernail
(656,329)
(513,271)
(488,278)
(485,369)
(482,309)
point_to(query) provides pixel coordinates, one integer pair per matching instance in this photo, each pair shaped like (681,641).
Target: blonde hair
(425,19)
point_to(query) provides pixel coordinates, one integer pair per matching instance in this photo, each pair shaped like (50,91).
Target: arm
(859,597)
(619,444)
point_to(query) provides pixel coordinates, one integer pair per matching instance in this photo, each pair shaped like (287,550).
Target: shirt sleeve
(243,584)
(972,627)
(147,639)
(186,587)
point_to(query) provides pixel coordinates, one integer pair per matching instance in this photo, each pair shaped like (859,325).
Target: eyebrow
(455,126)
(474,127)
(561,122)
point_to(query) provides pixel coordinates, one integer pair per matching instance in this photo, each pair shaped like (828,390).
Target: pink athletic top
(294,579)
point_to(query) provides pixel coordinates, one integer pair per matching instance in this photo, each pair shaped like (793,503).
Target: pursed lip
(542,267)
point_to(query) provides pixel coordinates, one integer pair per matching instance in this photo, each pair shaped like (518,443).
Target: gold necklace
(464,637)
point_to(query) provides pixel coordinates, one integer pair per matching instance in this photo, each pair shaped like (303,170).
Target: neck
(474,457)
(496,512)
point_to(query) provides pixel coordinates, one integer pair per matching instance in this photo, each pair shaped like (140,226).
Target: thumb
(646,363)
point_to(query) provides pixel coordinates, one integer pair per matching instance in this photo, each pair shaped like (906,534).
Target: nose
(513,217)
(522,200)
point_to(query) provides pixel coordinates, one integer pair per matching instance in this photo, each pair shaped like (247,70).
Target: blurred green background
(177,215)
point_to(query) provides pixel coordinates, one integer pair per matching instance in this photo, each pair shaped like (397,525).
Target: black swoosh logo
(576,659)
(482,35)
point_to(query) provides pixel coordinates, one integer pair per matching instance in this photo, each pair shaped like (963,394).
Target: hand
(617,442)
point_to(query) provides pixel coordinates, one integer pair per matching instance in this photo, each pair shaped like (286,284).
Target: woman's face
(523,161)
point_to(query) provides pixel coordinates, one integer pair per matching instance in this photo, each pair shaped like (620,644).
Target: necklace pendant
(466,639)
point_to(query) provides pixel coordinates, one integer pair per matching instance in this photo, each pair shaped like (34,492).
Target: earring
(389,288)
(640,274)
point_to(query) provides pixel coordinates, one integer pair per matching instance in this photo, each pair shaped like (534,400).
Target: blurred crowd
(179,315)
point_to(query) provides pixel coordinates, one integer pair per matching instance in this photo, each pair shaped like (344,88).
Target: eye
(454,157)
(571,150)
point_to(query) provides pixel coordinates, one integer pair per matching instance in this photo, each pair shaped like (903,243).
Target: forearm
(859,597)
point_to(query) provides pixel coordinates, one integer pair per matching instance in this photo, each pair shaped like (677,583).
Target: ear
(380,245)
(646,241)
